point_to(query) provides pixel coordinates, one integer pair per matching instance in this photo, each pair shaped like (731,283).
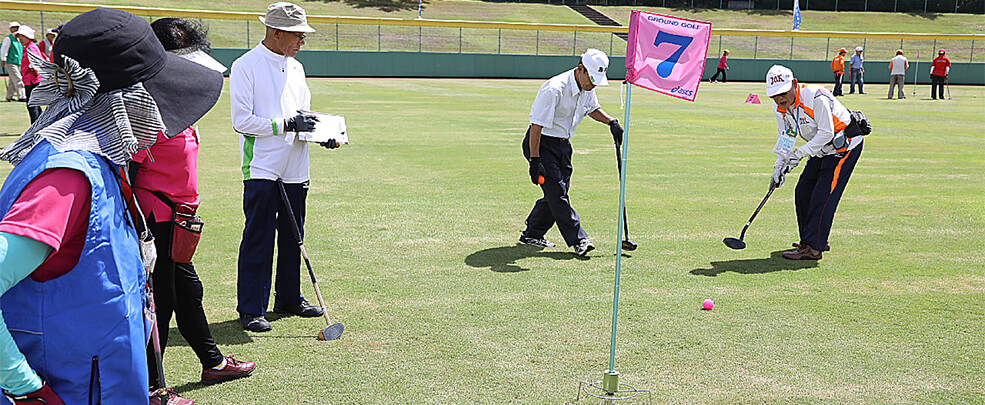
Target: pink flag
(667,54)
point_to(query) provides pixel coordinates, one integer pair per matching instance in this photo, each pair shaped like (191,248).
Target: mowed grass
(411,230)
(243,34)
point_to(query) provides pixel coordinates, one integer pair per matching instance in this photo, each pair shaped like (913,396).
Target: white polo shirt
(266,88)
(560,105)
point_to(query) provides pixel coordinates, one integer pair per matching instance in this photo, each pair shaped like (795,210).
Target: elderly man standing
(857,71)
(11,53)
(268,91)
(561,103)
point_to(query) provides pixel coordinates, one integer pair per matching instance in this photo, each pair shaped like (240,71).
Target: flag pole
(610,381)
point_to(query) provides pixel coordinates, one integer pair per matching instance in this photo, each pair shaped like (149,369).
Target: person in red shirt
(722,67)
(939,69)
(29,75)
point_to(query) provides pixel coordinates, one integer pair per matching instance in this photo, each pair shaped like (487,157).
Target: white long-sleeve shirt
(4,48)
(265,89)
(561,105)
(816,116)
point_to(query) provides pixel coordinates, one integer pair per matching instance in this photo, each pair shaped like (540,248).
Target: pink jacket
(29,75)
(722,62)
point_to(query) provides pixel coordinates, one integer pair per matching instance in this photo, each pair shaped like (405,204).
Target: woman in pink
(31,77)
(722,67)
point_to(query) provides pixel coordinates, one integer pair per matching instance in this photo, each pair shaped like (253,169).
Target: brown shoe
(167,396)
(804,253)
(232,370)
(826,247)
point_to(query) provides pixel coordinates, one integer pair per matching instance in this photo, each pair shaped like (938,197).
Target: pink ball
(708,304)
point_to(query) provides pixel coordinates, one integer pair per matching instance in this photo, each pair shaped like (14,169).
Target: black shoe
(254,323)
(302,309)
(584,246)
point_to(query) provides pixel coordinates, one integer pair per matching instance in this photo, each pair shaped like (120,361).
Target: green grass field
(235,34)
(412,232)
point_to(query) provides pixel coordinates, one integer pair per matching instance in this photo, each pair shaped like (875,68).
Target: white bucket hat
(597,64)
(858,49)
(286,17)
(15,24)
(26,31)
(779,79)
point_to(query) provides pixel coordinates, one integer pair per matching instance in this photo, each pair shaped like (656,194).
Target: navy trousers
(936,87)
(555,207)
(818,192)
(266,216)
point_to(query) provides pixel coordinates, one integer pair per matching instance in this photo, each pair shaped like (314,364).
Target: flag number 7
(667,66)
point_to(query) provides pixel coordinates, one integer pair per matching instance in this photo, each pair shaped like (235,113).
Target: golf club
(738,243)
(626,243)
(334,330)
(947,85)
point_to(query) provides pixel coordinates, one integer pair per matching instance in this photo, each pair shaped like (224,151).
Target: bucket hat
(122,50)
(26,31)
(286,17)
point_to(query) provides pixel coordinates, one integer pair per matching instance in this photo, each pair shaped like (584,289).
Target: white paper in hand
(329,126)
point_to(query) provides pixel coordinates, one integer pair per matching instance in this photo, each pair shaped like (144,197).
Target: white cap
(779,79)
(26,31)
(15,24)
(286,17)
(858,49)
(51,31)
(597,65)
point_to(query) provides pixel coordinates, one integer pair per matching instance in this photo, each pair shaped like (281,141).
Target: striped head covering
(115,124)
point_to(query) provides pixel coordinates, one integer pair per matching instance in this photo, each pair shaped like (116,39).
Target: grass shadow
(929,16)
(503,259)
(774,263)
(226,333)
(387,6)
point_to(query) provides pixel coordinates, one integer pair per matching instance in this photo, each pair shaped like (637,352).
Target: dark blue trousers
(266,216)
(555,206)
(818,192)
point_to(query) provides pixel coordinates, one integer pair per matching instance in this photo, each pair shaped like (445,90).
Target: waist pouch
(186,230)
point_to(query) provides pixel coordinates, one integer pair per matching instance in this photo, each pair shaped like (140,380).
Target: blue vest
(84,331)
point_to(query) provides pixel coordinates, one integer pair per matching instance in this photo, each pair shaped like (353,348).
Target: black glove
(300,123)
(616,131)
(42,396)
(535,170)
(330,144)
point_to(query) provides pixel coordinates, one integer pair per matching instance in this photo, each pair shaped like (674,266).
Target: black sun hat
(122,50)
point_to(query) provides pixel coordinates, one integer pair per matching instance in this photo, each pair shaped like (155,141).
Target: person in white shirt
(811,112)
(268,90)
(897,75)
(561,104)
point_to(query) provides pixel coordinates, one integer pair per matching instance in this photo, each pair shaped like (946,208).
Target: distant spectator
(939,70)
(838,66)
(897,75)
(49,41)
(722,67)
(11,53)
(29,75)
(857,71)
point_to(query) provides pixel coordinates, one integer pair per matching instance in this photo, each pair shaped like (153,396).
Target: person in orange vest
(838,66)
(939,69)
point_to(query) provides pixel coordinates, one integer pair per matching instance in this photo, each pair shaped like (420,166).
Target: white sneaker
(584,246)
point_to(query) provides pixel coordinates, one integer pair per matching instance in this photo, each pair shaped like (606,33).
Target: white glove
(792,161)
(779,175)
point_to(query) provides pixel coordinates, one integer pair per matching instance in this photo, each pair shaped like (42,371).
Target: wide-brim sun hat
(779,79)
(597,65)
(286,16)
(14,24)
(122,50)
